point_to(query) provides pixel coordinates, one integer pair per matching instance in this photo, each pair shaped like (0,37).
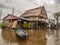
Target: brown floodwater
(35,37)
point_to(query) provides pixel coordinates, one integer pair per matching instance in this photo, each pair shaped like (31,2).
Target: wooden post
(0,14)
(57,22)
(12,11)
(11,23)
(57,31)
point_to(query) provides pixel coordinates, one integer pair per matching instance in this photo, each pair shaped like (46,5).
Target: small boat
(22,33)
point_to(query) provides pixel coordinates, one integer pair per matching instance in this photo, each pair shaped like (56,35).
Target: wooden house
(10,21)
(37,16)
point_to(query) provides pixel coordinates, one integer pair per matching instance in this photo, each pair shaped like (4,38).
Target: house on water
(10,21)
(37,16)
(34,18)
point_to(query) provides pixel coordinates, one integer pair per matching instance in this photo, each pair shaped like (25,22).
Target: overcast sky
(20,6)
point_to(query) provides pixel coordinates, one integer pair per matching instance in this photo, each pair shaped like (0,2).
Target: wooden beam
(12,11)
(0,13)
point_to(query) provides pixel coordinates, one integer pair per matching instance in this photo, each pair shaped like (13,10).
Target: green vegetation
(0,24)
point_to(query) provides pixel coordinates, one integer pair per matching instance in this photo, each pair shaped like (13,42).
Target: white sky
(20,6)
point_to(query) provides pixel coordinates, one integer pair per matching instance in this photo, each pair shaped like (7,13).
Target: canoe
(22,33)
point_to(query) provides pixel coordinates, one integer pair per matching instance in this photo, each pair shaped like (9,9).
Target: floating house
(10,21)
(34,19)
(37,16)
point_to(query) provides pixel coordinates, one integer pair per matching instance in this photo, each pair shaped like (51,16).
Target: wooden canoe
(22,33)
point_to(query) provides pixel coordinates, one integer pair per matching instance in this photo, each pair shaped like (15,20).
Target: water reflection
(7,38)
(36,37)
(52,37)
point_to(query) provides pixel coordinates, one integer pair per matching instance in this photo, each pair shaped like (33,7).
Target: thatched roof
(39,11)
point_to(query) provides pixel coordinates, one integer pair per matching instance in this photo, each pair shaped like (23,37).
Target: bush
(0,25)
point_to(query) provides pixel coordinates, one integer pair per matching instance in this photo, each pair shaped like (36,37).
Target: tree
(56,15)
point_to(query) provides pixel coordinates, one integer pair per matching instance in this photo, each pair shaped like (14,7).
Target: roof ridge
(32,9)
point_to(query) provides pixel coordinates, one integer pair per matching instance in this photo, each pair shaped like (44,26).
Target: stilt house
(37,16)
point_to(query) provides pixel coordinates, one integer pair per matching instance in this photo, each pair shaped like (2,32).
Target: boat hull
(22,33)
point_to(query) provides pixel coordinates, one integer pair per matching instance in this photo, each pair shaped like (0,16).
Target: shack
(10,21)
(37,16)
(37,19)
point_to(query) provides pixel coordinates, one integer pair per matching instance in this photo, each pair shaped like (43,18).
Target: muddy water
(35,37)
